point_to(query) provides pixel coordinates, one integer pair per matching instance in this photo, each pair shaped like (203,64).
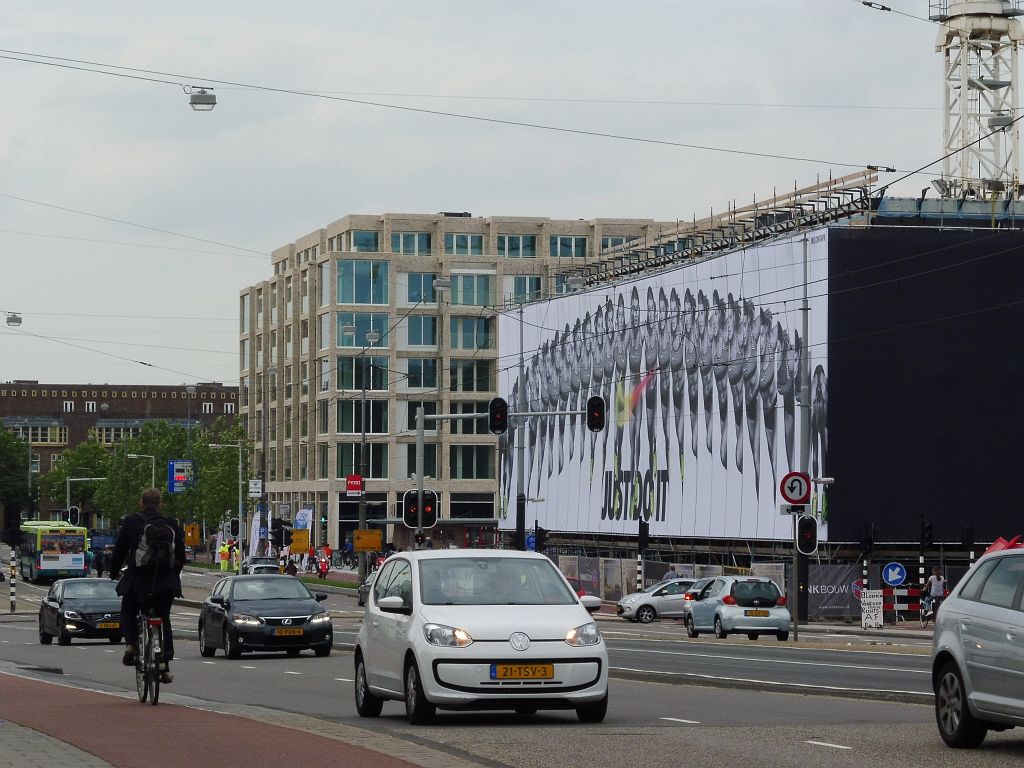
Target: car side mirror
(217,600)
(321,596)
(591,602)
(393,604)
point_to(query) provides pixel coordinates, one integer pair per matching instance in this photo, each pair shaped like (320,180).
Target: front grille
(278,621)
(94,617)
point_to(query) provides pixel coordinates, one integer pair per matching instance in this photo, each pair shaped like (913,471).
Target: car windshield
(270,589)
(86,589)
(755,592)
(492,581)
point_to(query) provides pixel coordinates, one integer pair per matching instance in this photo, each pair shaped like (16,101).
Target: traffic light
(409,508)
(806,535)
(967,537)
(927,534)
(867,539)
(74,515)
(277,532)
(497,416)
(234,527)
(595,413)
(431,503)
(540,538)
(645,528)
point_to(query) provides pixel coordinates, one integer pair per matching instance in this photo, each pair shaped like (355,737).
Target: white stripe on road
(680,720)
(245,667)
(209,662)
(292,673)
(782,661)
(826,744)
(343,679)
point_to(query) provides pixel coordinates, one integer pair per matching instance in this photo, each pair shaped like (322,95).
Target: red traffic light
(595,413)
(497,416)
(806,535)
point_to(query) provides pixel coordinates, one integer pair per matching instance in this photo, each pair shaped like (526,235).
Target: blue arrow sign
(894,574)
(531,542)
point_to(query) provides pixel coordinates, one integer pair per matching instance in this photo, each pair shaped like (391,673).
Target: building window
(366,241)
(526,288)
(473,290)
(422,331)
(517,246)
(229,408)
(429,459)
(422,372)
(69,406)
(429,409)
(471,333)
(364,322)
(470,426)
(325,284)
(459,244)
(470,376)
(614,242)
(348,462)
(55,460)
(90,406)
(411,243)
(322,462)
(207,407)
(362,282)
(41,435)
(421,287)
(323,417)
(351,373)
(568,246)
(471,462)
(325,374)
(350,417)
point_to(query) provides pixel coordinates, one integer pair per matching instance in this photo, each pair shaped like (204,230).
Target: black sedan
(80,608)
(264,613)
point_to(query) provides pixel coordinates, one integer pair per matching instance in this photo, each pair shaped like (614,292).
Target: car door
(394,626)
(703,607)
(212,615)
(373,651)
(50,608)
(670,599)
(1015,644)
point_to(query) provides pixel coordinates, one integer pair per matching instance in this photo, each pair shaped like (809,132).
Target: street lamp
(201,99)
(241,503)
(152,466)
(13,319)
(372,337)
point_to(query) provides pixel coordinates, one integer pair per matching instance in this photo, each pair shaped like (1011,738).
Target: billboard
(699,369)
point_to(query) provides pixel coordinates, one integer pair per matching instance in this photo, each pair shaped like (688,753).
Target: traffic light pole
(420,448)
(520,433)
(805,439)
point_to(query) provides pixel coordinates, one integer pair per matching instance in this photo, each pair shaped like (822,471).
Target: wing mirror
(393,604)
(591,602)
(321,596)
(217,600)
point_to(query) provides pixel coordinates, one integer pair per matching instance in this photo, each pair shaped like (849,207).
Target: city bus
(52,550)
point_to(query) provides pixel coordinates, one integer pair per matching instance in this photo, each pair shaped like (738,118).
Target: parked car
(664,599)
(364,589)
(978,652)
(257,565)
(749,604)
(80,608)
(479,629)
(263,613)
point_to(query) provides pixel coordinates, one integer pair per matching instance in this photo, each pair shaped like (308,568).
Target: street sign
(531,542)
(255,489)
(263,532)
(180,475)
(871,609)
(367,540)
(284,509)
(796,488)
(354,485)
(894,574)
(791,509)
(192,534)
(300,541)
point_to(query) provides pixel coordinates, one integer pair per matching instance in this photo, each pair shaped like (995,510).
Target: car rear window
(755,593)
(1001,587)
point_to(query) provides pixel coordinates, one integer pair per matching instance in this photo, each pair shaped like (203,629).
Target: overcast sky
(828,80)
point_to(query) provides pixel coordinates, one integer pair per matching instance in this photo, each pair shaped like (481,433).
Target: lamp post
(152,466)
(265,495)
(241,503)
(372,337)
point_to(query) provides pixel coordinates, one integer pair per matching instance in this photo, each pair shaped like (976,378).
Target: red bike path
(125,733)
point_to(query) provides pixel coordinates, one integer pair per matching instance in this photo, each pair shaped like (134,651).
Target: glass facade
(411,243)
(350,372)
(429,459)
(362,282)
(471,462)
(350,417)
(458,244)
(366,241)
(472,290)
(422,331)
(471,333)
(421,288)
(422,372)
(348,460)
(470,375)
(517,246)
(568,246)
(364,322)
(526,288)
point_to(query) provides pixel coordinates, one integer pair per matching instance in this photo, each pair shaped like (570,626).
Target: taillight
(687,596)
(781,602)
(729,600)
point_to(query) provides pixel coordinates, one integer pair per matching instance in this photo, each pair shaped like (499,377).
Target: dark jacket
(138,583)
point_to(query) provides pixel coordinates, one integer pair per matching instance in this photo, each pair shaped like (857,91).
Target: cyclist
(153,586)
(936,590)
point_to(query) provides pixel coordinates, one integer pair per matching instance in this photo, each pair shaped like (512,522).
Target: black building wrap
(926,367)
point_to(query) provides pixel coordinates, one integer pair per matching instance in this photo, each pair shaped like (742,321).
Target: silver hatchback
(666,599)
(749,604)
(978,652)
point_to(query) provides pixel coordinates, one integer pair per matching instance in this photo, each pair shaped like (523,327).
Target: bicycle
(929,609)
(149,662)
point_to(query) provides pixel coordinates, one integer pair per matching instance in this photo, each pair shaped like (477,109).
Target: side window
(716,587)
(54,589)
(401,583)
(674,588)
(221,587)
(1001,587)
(976,580)
(705,593)
(380,585)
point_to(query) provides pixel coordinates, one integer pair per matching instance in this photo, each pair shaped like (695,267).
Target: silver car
(749,604)
(664,599)
(978,652)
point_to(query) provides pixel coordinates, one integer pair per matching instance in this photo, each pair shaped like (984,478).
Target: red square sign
(354,485)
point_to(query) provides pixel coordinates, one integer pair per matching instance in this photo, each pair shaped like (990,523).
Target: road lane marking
(292,673)
(344,679)
(108,650)
(245,667)
(782,661)
(826,744)
(620,636)
(209,662)
(680,720)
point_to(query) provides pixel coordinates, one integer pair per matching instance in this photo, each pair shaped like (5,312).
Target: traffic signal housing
(540,538)
(927,534)
(497,416)
(967,537)
(806,535)
(645,532)
(867,539)
(410,516)
(234,527)
(595,413)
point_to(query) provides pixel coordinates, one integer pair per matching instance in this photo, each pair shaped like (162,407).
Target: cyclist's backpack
(155,549)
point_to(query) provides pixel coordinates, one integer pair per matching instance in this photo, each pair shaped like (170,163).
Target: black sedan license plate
(109,625)
(757,612)
(522,671)
(288,631)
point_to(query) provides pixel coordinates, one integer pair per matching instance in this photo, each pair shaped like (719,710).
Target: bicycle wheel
(153,659)
(141,675)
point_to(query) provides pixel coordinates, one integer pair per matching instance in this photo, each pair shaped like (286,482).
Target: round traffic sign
(796,488)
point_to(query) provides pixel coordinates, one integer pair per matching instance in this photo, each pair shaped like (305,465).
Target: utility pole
(805,438)
(372,337)
(520,428)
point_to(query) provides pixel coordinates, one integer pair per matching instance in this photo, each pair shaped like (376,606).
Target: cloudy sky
(146,218)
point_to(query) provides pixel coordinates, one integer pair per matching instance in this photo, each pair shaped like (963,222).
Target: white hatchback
(479,629)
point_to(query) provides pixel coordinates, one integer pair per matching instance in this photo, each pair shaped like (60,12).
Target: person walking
(223,554)
(97,562)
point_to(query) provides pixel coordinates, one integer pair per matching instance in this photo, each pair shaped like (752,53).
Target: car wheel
(231,649)
(645,614)
(63,637)
(720,632)
(206,649)
(957,726)
(114,639)
(367,705)
(782,636)
(691,630)
(593,712)
(45,638)
(751,635)
(417,708)
(322,650)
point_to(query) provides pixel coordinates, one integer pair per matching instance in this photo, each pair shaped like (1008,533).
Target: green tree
(87,459)
(13,472)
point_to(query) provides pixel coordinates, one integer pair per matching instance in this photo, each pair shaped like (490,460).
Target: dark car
(80,608)
(264,613)
(364,589)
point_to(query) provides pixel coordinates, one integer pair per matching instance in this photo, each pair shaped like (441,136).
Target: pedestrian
(671,573)
(223,554)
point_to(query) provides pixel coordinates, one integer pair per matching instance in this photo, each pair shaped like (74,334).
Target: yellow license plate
(109,625)
(756,613)
(522,671)
(280,631)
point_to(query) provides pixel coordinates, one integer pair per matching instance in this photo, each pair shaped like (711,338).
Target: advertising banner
(611,580)
(698,367)
(832,591)
(590,575)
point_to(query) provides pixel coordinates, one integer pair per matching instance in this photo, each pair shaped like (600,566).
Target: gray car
(752,605)
(664,599)
(978,652)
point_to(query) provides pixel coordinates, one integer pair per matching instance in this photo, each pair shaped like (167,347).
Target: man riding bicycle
(152,579)
(936,590)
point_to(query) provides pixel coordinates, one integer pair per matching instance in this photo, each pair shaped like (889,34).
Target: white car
(479,629)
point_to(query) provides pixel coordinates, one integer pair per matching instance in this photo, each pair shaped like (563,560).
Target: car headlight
(320,618)
(629,600)
(72,615)
(585,634)
(246,620)
(450,637)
